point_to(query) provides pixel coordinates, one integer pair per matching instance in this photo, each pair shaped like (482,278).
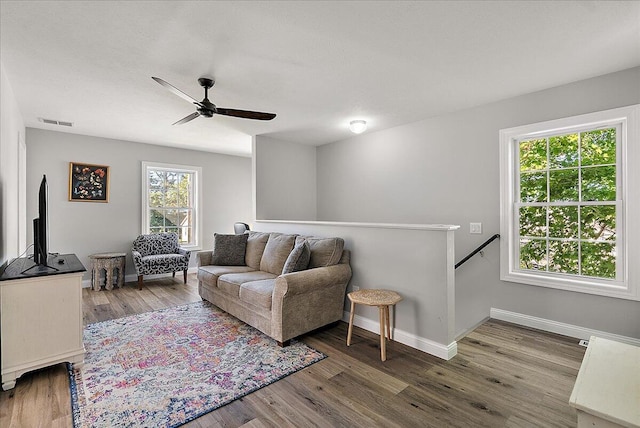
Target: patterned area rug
(168,367)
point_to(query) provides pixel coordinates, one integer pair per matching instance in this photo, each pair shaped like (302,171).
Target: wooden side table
(382,299)
(108,262)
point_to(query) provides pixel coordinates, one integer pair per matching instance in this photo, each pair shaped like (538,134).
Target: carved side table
(108,262)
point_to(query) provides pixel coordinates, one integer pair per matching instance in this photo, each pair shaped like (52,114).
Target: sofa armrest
(183,252)
(311,280)
(306,300)
(137,260)
(137,257)
(203,258)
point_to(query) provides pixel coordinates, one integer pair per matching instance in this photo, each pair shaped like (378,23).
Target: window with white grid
(563,202)
(170,200)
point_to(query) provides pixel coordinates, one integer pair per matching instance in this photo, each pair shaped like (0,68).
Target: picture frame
(88,182)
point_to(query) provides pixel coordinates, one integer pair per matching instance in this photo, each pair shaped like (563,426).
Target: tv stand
(39,269)
(41,318)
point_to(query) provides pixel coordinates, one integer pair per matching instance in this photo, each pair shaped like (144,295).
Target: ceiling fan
(206,108)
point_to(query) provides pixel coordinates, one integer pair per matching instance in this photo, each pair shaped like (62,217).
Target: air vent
(55,122)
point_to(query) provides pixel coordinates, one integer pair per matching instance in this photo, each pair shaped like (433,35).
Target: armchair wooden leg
(139,282)
(284,344)
(173,274)
(185,276)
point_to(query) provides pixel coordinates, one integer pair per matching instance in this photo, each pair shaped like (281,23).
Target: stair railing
(477,250)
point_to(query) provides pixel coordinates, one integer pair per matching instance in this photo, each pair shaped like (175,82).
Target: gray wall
(84,228)
(12,173)
(446,170)
(285,180)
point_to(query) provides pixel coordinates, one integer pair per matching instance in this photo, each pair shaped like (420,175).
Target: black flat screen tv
(40,241)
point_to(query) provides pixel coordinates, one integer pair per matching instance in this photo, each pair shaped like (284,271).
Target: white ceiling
(316,64)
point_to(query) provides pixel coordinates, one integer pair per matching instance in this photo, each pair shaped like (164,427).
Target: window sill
(191,247)
(613,289)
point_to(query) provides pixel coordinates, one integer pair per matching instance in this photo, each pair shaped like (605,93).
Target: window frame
(626,120)
(197,197)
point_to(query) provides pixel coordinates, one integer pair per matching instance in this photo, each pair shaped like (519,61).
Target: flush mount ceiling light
(358,126)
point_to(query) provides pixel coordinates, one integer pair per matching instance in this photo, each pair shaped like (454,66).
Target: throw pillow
(228,250)
(324,251)
(276,252)
(298,259)
(255,247)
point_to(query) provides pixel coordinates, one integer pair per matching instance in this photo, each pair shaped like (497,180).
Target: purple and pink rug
(168,367)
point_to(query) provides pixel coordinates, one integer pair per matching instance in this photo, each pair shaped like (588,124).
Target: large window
(170,201)
(567,203)
(564,200)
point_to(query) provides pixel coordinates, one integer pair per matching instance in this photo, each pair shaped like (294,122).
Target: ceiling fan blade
(188,118)
(245,114)
(175,90)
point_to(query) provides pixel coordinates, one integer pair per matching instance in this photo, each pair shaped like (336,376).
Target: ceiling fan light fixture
(206,108)
(358,126)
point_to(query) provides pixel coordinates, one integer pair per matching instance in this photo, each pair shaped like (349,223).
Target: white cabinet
(607,389)
(41,323)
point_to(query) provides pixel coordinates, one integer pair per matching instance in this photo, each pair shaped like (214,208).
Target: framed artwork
(88,183)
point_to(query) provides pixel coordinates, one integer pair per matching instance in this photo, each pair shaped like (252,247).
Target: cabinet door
(41,319)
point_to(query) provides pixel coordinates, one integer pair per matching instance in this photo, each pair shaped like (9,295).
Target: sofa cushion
(230,283)
(324,251)
(156,243)
(258,293)
(255,247)
(298,258)
(276,252)
(210,274)
(228,250)
(161,263)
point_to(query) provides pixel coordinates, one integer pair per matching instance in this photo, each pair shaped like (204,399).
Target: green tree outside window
(170,202)
(567,203)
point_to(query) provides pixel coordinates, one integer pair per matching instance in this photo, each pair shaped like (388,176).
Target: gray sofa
(283,285)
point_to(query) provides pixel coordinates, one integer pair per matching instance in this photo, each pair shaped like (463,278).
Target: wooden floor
(503,376)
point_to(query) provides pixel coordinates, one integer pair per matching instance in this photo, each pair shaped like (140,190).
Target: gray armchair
(159,253)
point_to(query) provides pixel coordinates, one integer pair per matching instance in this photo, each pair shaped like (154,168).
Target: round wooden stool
(382,299)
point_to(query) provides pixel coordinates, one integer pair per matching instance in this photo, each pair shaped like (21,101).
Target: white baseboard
(86,283)
(446,352)
(558,327)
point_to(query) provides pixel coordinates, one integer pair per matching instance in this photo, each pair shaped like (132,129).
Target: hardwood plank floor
(503,376)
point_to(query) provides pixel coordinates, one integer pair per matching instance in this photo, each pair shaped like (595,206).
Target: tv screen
(40,251)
